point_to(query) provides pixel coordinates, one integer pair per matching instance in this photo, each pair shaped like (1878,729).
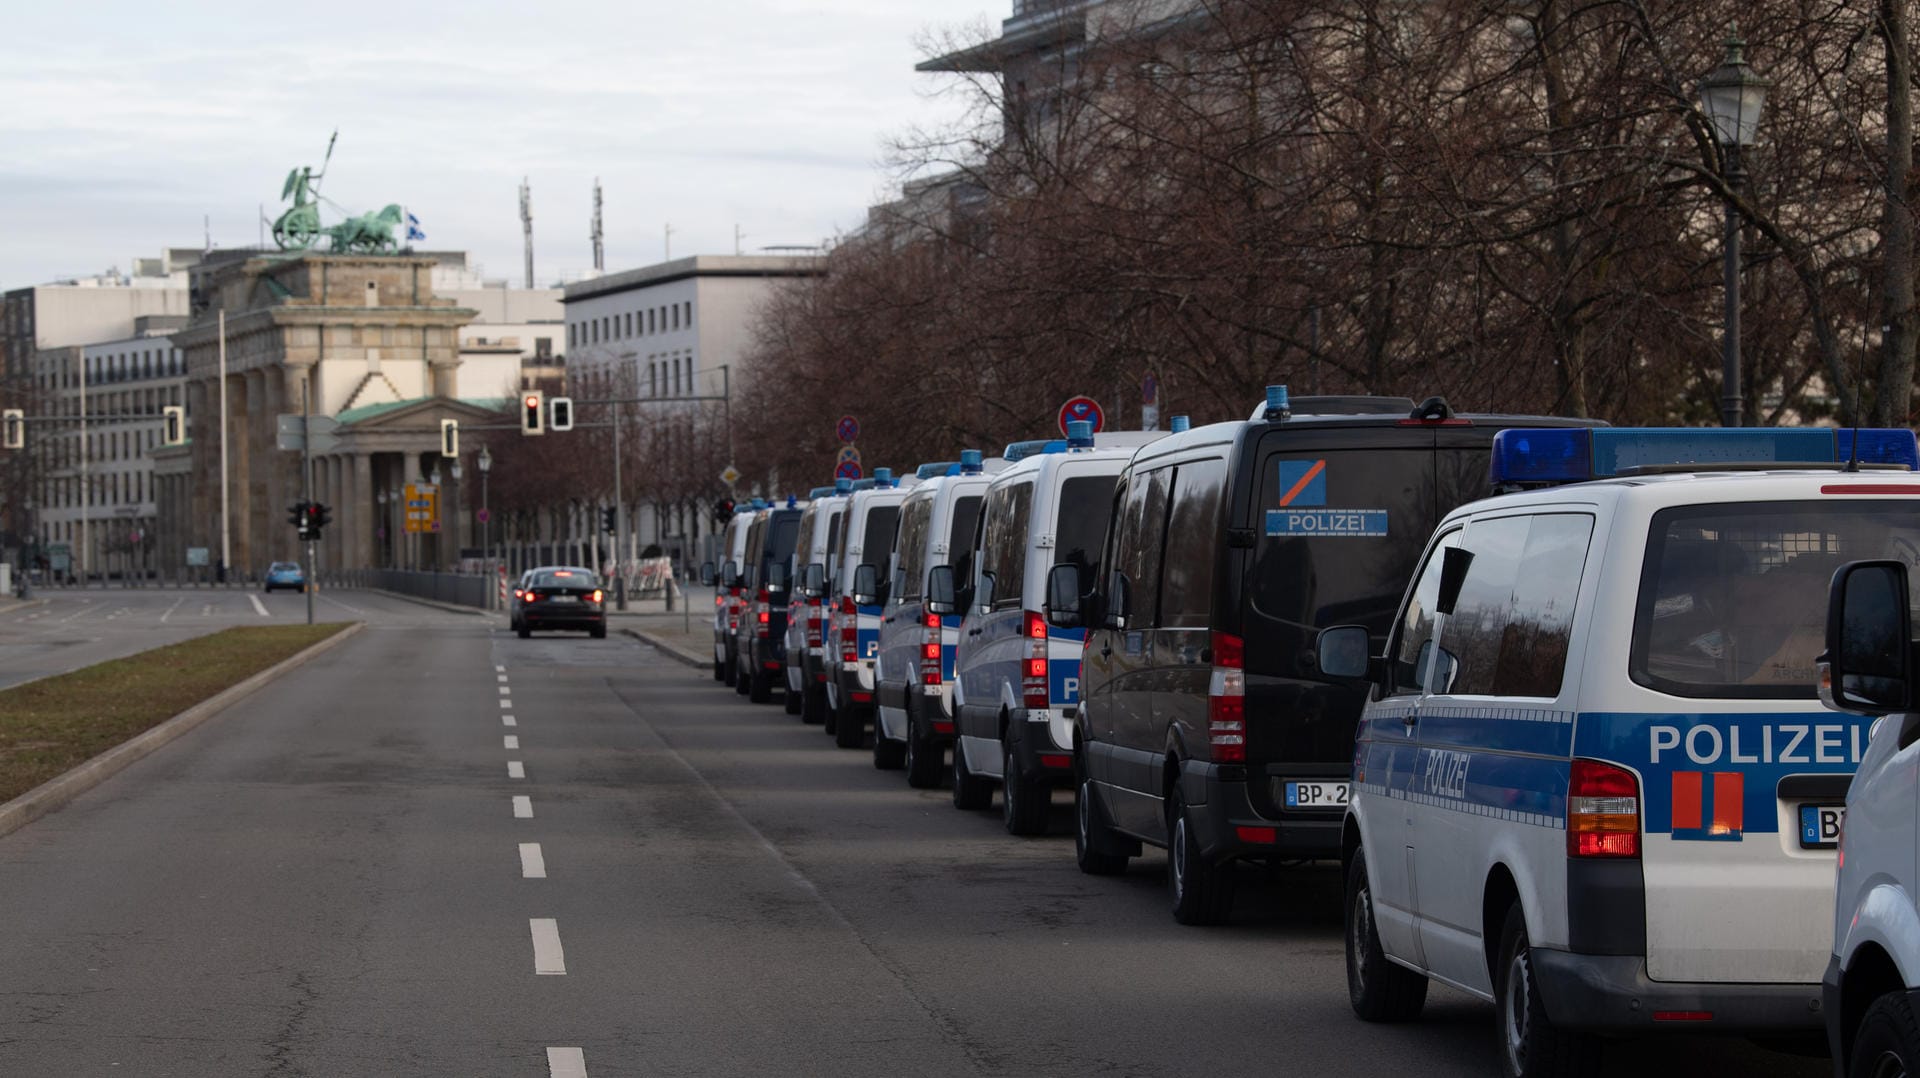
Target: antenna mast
(526,225)
(599,249)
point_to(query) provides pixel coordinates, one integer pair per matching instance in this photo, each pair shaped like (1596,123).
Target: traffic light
(322,516)
(609,521)
(560,414)
(450,437)
(297,516)
(313,517)
(531,416)
(173,425)
(13,429)
(723,510)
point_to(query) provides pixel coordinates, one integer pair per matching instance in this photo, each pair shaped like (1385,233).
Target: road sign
(847,469)
(423,507)
(197,556)
(730,476)
(293,433)
(1082,408)
(848,429)
(847,453)
(482,516)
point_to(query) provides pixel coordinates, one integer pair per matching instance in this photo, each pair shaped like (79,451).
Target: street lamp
(1733,96)
(485,461)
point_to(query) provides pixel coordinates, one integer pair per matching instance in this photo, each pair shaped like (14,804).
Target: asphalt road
(336,878)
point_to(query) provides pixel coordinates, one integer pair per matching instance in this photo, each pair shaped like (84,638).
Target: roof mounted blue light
(1021,450)
(822,492)
(1277,404)
(759,503)
(1079,434)
(933,469)
(792,501)
(1058,445)
(1524,456)
(841,486)
(883,477)
(970,462)
(1179,424)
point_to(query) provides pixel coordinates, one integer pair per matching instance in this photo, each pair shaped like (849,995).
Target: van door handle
(973,632)
(1106,649)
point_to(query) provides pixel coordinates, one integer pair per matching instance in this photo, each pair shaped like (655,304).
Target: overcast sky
(122,124)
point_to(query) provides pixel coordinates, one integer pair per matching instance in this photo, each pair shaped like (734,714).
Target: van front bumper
(1611,993)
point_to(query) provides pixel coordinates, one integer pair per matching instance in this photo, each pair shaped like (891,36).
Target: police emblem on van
(1303,488)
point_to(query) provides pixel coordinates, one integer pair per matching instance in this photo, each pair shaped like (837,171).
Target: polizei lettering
(1446,773)
(1704,744)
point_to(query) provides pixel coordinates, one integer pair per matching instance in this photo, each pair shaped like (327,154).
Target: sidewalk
(685,634)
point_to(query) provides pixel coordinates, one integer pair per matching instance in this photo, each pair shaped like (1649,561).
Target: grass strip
(52,725)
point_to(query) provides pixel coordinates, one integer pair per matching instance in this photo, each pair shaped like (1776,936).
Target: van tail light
(1227,700)
(930,652)
(849,630)
(1033,668)
(761,616)
(1603,811)
(814,619)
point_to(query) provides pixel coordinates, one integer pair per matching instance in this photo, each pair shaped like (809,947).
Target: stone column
(366,512)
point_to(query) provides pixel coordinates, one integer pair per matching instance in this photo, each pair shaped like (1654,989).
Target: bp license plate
(1305,794)
(1820,826)
(564,599)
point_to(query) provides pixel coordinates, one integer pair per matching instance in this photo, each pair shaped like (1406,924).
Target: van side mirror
(778,576)
(735,578)
(813,580)
(1063,597)
(707,575)
(866,586)
(1344,651)
(940,597)
(1119,600)
(1868,666)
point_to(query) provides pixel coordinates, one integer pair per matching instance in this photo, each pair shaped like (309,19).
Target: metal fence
(461,589)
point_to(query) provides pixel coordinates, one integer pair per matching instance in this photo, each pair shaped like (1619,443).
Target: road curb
(57,791)
(451,608)
(665,648)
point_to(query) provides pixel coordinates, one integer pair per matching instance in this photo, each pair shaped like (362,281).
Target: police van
(1016,685)
(805,651)
(853,627)
(727,585)
(760,638)
(1593,782)
(913,722)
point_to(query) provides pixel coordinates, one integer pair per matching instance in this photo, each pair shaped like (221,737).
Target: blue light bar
(1571,454)
(1277,404)
(1058,445)
(970,462)
(792,501)
(929,471)
(1179,424)
(1079,434)
(821,492)
(842,486)
(759,503)
(1021,450)
(883,476)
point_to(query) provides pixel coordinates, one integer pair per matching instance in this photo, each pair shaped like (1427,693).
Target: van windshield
(1733,598)
(1081,525)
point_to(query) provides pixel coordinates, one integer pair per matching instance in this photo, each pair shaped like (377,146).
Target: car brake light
(1227,700)
(597,595)
(930,652)
(1033,669)
(1603,811)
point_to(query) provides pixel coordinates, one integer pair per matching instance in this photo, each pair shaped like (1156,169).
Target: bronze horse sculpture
(369,233)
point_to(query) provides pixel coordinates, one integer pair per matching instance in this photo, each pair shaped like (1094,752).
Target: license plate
(565,599)
(1302,795)
(1820,826)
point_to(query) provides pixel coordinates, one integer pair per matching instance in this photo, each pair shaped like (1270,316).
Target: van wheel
(790,700)
(523,632)
(1024,803)
(848,729)
(742,678)
(1202,893)
(1530,1045)
(970,792)
(923,756)
(888,755)
(1097,850)
(1378,990)
(719,671)
(732,674)
(813,705)
(1887,1044)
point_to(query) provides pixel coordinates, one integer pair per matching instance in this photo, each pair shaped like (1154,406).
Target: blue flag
(413,228)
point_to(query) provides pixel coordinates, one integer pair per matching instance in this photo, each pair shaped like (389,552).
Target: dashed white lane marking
(516,769)
(501,678)
(523,808)
(206,609)
(499,669)
(504,691)
(505,703)
(507,720)
(257,604)
(548,958)
(533,866)
(510,742)
(566,1063)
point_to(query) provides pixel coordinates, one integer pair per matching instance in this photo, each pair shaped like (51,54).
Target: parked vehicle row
(1548,691)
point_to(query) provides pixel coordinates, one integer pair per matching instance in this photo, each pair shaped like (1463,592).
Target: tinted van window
(1080,522)
(883,521)
(1193,536)
(1003,549)
(785,533)
(961,531)
(1140,529)
(1510,631)
(1412,644)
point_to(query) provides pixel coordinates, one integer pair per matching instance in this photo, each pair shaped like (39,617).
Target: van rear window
(1080,523)
(1733,598)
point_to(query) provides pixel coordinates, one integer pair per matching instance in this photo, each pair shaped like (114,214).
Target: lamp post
(485,462)
(1733,95)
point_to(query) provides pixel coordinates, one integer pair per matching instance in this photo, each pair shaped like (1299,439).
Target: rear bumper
(1611,993)
(1035,754)
(1229,827)
(537,619)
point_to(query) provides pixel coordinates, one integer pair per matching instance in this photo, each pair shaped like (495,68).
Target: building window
(688,309)
(650,328)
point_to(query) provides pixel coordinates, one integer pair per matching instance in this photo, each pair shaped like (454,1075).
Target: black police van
(760,640)
(1204,725)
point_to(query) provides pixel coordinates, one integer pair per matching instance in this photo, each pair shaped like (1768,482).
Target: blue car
(286,574)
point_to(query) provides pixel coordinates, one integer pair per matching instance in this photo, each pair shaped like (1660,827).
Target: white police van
(853,627)
(913,723)
(806,612)
(1593,781)
(1016,685)
(727,581)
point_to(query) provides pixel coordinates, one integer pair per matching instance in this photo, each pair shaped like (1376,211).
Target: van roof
(1226,433)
